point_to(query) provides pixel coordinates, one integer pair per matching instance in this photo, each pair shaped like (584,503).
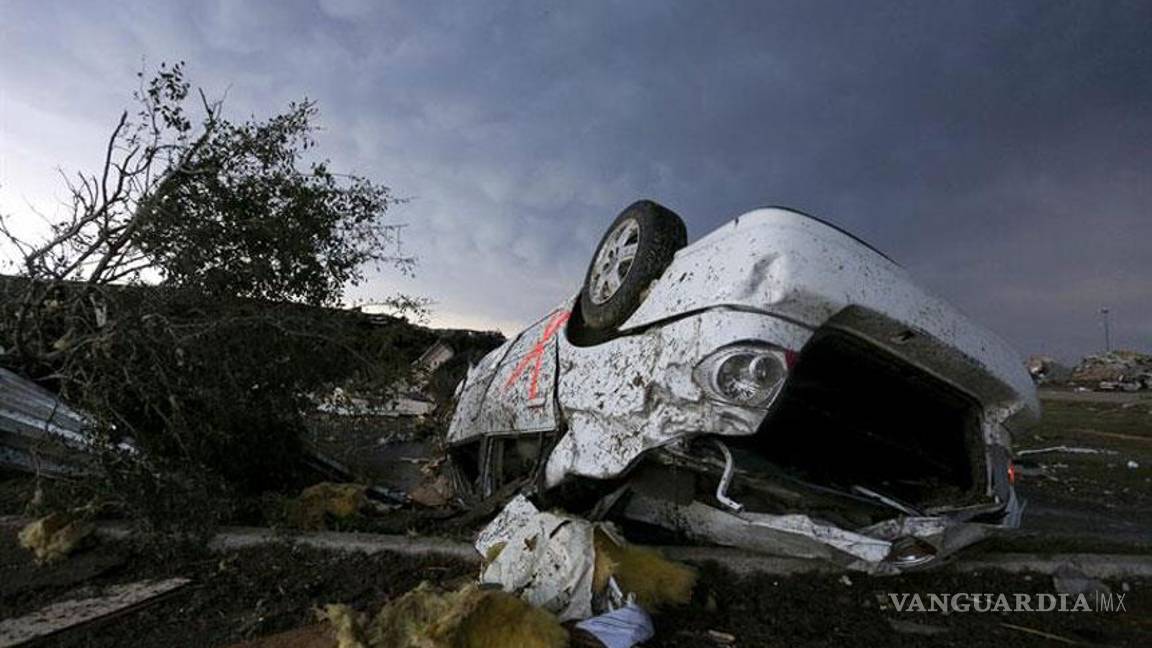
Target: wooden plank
(55,617)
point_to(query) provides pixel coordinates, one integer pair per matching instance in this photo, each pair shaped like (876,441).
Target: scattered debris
(1065,449)
(434,357)
(1045,369)
(1113,367)
(432,492)
(1113,435)
(1028,468)
(1127,383)
(67,614)
(723,638)
(332,470)
(407,403)
(416,396)
(56,536)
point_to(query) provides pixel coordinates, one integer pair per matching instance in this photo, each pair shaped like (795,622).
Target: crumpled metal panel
(626,396)
(30,410)
(38,432)
(470,401)
(790,535)
(801,536)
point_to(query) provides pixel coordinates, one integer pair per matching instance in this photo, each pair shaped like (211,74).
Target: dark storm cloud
(1000,151)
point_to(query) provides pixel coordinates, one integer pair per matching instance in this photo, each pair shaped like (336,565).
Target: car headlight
(744,374)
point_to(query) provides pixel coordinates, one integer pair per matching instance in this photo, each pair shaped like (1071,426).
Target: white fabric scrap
(547,559)
(623,628)
(518,512)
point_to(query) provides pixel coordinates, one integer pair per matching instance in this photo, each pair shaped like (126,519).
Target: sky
(1000,151)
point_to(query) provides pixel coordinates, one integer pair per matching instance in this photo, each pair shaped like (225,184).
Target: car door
(520,398)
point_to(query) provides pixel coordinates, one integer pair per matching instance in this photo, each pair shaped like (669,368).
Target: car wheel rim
(614,261)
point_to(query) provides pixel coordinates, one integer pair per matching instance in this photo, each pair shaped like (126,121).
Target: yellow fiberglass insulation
(348,624)
(656,581)
(308,511)
(54,537)
(470,617)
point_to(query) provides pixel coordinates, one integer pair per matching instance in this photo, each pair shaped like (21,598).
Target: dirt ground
(1077,502)
(235,596)
(1106,493)
(258,592)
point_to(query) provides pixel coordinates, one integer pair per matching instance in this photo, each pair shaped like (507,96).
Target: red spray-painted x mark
(537,353)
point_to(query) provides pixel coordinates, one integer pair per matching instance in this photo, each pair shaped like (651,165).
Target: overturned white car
(777,385)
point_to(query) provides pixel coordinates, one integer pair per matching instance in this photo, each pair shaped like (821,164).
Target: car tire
(635,251)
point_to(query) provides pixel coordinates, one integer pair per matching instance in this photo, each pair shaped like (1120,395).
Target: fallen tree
(186,297)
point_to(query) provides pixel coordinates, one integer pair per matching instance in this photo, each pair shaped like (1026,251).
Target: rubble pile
(1114,367)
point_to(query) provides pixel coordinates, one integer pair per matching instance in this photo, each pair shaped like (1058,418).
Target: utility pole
(1107,331)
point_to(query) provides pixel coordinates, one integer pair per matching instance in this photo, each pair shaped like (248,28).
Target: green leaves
(248,214)
(241,232)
